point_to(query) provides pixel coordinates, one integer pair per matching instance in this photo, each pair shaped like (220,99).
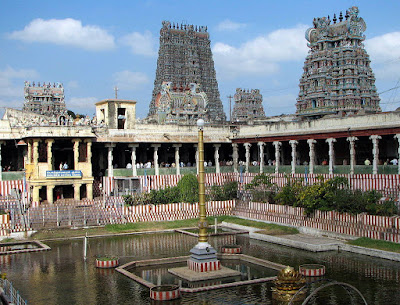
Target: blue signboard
(64,174)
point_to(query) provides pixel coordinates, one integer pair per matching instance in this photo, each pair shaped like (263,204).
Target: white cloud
(141,44)
(228,25)
(128,80)
(81,102)
(384,52)
(8,77)
(278,104)
(73,84)
(261,55)
(68,32)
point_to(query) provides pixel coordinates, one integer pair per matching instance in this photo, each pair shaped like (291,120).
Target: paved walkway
(315,243)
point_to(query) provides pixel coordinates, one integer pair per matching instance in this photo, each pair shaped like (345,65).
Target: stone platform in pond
(22,247)
(193,276)
(140,271)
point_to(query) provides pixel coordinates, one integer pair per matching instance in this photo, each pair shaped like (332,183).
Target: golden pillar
(203,236)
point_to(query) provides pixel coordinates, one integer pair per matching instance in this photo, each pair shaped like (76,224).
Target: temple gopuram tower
(337,77)
(185,57)
(248,106)
(45,99)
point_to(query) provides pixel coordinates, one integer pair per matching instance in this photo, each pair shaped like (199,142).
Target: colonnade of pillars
(133,147)
(277,146)
(311,144)
(33,158)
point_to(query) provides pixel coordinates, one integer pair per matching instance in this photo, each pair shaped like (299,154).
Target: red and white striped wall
(171,293)
(204,267)
(365,182)
(107,263)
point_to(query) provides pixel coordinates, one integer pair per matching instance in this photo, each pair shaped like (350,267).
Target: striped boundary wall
(175,211)
(5,225)
(364,182)
(361,225)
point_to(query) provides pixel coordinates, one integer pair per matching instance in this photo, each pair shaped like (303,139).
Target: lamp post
(203,256)
(203,236)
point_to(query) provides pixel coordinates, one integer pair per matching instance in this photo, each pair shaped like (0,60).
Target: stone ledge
(192,276)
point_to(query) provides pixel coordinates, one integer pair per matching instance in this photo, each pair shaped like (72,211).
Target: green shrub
(289,194)
(188,188)
(227,191)
(263,181)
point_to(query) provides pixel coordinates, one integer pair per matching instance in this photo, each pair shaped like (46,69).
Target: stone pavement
(315,243)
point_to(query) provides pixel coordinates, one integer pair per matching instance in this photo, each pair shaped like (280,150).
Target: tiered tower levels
(185,57)
(337,77)
(45,99)
(248,106)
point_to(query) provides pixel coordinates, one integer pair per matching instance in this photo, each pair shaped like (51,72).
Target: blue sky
(92,46)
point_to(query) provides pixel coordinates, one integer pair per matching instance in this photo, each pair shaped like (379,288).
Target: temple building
(70,159)
(337,77)
(45,99)
(183,105)
(248,106)
(185,57)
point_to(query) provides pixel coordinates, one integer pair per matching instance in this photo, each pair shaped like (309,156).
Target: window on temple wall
(82,152)
(314,103)
(121,118)
(42,152)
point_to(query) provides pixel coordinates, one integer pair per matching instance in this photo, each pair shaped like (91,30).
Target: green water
(61,276)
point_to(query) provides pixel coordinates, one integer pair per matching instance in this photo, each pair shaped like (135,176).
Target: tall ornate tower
(248,106)
(45,99)
(337,77)
(185,57)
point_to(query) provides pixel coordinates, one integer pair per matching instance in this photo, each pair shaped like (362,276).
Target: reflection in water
(61,276)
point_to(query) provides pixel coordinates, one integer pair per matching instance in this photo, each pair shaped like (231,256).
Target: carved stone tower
(337,77)
(185,57)
(248,106)
(45,99)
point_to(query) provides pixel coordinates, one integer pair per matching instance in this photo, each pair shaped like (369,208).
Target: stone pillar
(29,152)
(352,143)
(50,155)
(235,157)
(311,143)
(247,147)
(50,197)
(397,136)
(197,158)
(216,158)
(261,146)
(77,191)
(89,190)
(76,153)
(177,160)
(277,145)
(293,144)
(375,152)
(89,157)
(36,153)
(155,158)
(133,158)
(330,142)
(35,193)
(110,158)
